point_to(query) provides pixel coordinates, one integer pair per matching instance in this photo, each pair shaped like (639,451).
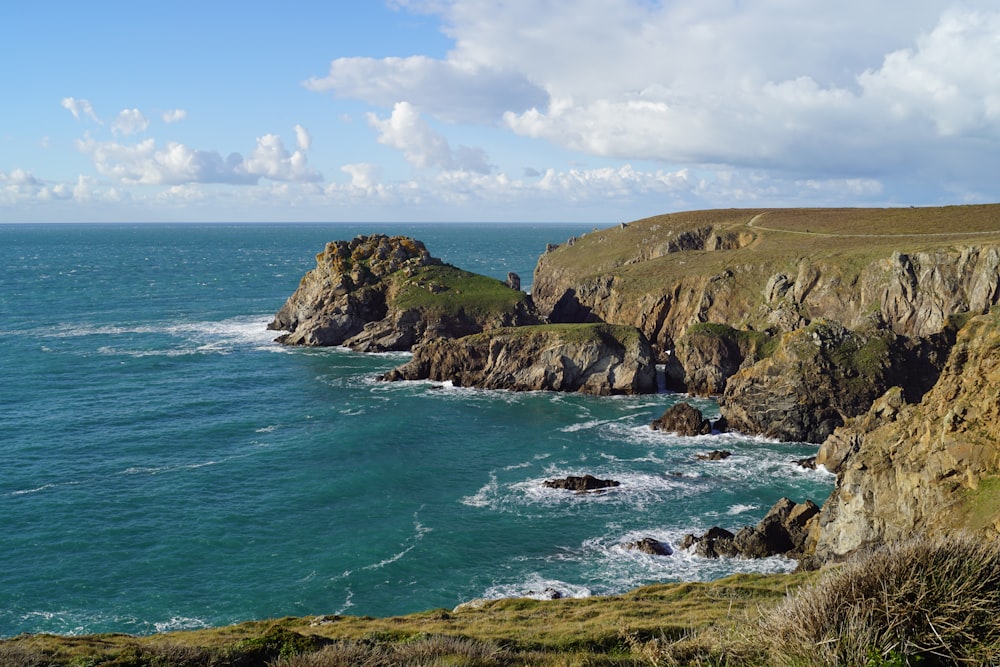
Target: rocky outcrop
(683,419)
(931,467)
(821,375)
(580,484)
(379,293)
(709,354)
(597,359)
(785,530)
(742,268)
(714,455)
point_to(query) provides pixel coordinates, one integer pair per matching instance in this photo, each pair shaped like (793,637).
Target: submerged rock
(714,455)
(651,546)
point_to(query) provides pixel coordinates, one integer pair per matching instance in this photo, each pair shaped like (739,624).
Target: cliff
(718,293)
(379,293)
(595,359)
(930,467)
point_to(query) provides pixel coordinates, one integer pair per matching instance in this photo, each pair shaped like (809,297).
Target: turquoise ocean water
(164,465)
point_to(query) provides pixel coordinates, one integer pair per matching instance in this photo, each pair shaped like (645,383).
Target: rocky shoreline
(883,352)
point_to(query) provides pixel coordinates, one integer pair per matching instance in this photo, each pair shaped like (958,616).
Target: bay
(166,465)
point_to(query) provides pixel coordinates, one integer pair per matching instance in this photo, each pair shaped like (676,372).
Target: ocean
(165,465)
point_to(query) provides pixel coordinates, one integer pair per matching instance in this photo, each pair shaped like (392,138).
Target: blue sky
(521,110)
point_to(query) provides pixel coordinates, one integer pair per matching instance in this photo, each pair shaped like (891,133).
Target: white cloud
(364,175)
(422,146)
(80,108)
(272,160)
(174,116)
(820,91)
(130,121)
(175,164)
(302,138)
(452,91)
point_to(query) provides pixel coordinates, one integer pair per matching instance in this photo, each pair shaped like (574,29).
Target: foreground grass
(619,630)
(923,602)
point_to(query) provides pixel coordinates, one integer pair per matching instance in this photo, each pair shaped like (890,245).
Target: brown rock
(714,455)
(683,419)
(597,359)
(651,546)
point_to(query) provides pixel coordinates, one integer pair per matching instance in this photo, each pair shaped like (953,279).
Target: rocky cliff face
(928,467)
(378,293)
(727,299)
(595,359)
(666,273)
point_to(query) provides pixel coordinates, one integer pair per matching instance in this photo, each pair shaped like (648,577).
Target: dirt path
(752,223)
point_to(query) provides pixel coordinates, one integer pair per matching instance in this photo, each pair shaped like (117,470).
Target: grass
(618,334)
(924,601)
(446,290)
(848,239)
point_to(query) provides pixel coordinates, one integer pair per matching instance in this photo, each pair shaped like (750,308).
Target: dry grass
(926,601)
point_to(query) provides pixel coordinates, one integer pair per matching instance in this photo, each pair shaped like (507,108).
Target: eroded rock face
(824,374)
(930,467)
(595,359)
(683,419)
(365,294)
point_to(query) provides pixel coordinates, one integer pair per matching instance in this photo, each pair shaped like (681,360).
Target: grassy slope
(848,237)
(599,630)
(445,290)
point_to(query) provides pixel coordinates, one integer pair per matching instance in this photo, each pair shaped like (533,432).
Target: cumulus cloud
(129,121)
(452,91)
(80,108)
(175,164)
(825,91)
(173,116)
(423,146)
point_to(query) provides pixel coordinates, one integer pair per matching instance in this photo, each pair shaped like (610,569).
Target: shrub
(924,601)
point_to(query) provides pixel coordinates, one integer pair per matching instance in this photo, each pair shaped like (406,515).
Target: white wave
(181,623)
(419,531)
(536,587)
(740,509)
(637,490)
(267,429)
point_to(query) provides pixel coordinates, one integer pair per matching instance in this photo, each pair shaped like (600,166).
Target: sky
(502,110)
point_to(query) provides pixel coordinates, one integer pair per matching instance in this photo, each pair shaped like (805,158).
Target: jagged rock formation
(378,293)
(929,467)
(821,375)
(785,530)
(597,359)
(683,419)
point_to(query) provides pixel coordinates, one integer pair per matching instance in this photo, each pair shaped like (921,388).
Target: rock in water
(379,293)
(683,419)
(584,483)
(785,530)
(592,358)
(651,546)
(714,455)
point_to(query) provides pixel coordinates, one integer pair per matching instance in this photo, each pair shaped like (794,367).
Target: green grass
(624,335)
(447,290)
(849,239)
(924,601)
